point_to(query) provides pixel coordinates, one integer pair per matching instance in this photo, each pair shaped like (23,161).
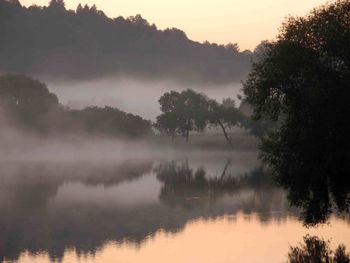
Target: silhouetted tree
(224,115)
(317,250)
(170,120)
(183,112)
(305,76)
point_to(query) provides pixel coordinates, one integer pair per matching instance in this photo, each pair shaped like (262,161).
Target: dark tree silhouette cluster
(186,111)
(303,78)
(27,104)
(85,43)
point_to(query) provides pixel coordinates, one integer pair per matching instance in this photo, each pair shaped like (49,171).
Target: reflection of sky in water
(75,208)
(227,239)
(142,191)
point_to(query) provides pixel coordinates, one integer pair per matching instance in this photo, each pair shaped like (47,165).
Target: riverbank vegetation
(304,78)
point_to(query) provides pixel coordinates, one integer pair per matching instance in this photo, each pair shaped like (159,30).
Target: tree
(57,4)
(305,76)
(111,122)
(224,115)
(79,8)
(170,119)
(25,101)
(183,112)
(194,112)
(167,124)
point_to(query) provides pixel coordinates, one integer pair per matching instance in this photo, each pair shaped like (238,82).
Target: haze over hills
(85,44)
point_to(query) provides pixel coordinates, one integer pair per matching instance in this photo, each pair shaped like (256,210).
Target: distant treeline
(28,105)
(85,43)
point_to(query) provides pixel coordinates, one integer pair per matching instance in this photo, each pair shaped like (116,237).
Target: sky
(246,22)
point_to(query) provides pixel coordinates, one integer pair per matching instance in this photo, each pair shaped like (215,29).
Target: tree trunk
(225,133)
(228,163)
(187,135)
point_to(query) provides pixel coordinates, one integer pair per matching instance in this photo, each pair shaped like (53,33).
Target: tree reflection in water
(33,220)
(316,250)
(184,186)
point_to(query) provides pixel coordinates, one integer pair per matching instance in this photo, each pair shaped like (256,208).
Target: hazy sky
(246,22)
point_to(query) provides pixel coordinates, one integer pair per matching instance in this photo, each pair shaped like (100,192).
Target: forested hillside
(85,43)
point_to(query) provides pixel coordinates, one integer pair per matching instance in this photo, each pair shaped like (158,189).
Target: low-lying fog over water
(99,165)
(150,207)
(73,196)
(131,95)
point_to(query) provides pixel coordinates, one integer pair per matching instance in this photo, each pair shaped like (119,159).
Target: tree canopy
(186,111)
(305,76)
(85,43)
(182,112)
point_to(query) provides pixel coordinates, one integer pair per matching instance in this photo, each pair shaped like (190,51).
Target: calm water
(213,207)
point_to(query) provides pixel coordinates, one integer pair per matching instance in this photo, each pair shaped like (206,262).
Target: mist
(73,143)
(133,95)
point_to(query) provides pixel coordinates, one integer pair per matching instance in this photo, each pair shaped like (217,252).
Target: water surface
(191,207)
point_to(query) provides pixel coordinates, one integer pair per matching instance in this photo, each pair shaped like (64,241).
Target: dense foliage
(111,122)
(305,76)
(27,104)
(182,112)
(85,43)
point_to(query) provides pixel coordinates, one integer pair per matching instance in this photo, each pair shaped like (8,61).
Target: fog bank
(136,96)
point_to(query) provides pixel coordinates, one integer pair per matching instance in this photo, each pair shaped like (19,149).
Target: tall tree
(305,76)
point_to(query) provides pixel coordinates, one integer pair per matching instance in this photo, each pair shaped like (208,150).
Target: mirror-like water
(150,210)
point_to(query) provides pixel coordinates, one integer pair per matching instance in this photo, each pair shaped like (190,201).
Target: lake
(191,206)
